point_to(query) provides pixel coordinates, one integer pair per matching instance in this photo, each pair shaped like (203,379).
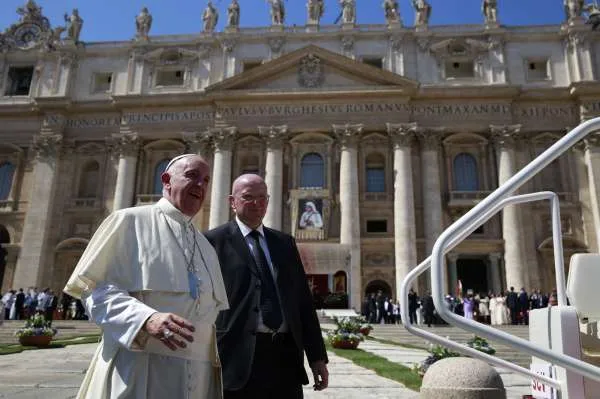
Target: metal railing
(460,229)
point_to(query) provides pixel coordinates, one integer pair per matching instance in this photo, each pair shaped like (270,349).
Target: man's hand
(169,328)
(320,374)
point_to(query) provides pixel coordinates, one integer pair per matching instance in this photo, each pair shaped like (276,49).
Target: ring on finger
(167,334)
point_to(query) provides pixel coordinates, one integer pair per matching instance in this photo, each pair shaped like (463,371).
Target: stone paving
(57,374)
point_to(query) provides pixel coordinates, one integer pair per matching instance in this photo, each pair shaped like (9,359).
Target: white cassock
(137,264)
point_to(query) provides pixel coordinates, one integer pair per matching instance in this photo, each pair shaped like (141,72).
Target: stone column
(274,136)
(432,191)
(38,220)
(396,54)
(197,143)
(405,235)
(228,69)
(348,136)
(514,260)
(222,139)
(495,272)
(592,163)
(579,56)
(497,60)
(126,146)
(452,272)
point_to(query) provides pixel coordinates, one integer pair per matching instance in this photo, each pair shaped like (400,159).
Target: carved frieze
(47,146)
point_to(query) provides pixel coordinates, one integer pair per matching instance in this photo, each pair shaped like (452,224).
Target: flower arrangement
(36,325)
(481,345)
(437,352)
(347,334)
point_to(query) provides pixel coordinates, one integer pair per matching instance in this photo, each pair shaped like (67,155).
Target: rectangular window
(377,226)
(459,69)
(375,180)
(169,77)
(248,65)
(537,70)
(374,61)
(102,82)
(19,81)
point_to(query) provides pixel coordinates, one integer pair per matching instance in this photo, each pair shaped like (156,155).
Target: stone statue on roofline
(348,11)
(74,25)
(277,12)
(392,11)
(593,12)
(573,8)
(210,17)
(233,14)
(315,11)
(422,12)
(489,8)
(143,23)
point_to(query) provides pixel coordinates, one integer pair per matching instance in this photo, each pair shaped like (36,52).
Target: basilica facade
(372,139)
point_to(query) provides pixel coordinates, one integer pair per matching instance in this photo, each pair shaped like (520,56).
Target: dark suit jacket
(236,327)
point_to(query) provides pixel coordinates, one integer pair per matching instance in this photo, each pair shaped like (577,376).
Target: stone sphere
(462,378)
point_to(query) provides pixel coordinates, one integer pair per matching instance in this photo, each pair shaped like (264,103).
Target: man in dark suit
(271,321)
(512,301)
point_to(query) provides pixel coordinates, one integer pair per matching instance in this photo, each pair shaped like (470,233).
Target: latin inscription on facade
(420,112)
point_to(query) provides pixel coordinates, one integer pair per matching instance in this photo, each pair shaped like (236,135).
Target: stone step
(399,334)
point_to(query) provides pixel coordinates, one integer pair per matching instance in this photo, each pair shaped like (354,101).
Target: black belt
(275,338)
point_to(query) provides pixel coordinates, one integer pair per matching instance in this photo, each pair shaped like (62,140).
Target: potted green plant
(437,352)
(36,332)
(347,334)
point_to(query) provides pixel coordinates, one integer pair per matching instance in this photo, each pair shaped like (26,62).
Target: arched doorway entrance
(67,255)
(473,275)
(377,286)
(4,239)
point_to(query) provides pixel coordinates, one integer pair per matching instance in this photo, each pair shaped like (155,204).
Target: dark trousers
(275,373)
(412,313)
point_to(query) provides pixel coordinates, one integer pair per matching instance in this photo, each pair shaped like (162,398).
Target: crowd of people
(509,307)
(21,304)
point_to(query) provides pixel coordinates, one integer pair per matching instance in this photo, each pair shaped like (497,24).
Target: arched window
(551,177)
(375,165)
(312,171)
(465,173)
(250,164)
(88,182)
(7,170)
(158,171)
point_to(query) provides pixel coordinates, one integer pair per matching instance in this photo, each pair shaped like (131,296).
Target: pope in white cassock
(152,282)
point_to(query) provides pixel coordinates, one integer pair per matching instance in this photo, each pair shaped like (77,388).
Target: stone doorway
(473,275)
(376,286)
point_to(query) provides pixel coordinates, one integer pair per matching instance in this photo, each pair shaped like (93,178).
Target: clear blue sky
(106,20)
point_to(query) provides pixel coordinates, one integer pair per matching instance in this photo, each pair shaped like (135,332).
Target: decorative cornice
(274,135)
(402,134)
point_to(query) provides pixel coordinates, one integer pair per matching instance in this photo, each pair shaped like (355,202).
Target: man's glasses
(260,199)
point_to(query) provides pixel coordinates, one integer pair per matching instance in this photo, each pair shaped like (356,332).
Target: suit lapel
(238,242)
(277,257)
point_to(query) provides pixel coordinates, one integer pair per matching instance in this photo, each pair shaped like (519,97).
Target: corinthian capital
(195,141)
(47,146)
(222,137)
(348,134)
(592,142)
(505,135)
(402,134)
(274,135)
(125,144)
(430,139)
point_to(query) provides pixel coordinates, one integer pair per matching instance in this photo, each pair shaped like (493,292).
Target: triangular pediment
(314,68)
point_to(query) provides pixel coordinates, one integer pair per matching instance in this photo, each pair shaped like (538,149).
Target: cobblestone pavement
(57,373)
